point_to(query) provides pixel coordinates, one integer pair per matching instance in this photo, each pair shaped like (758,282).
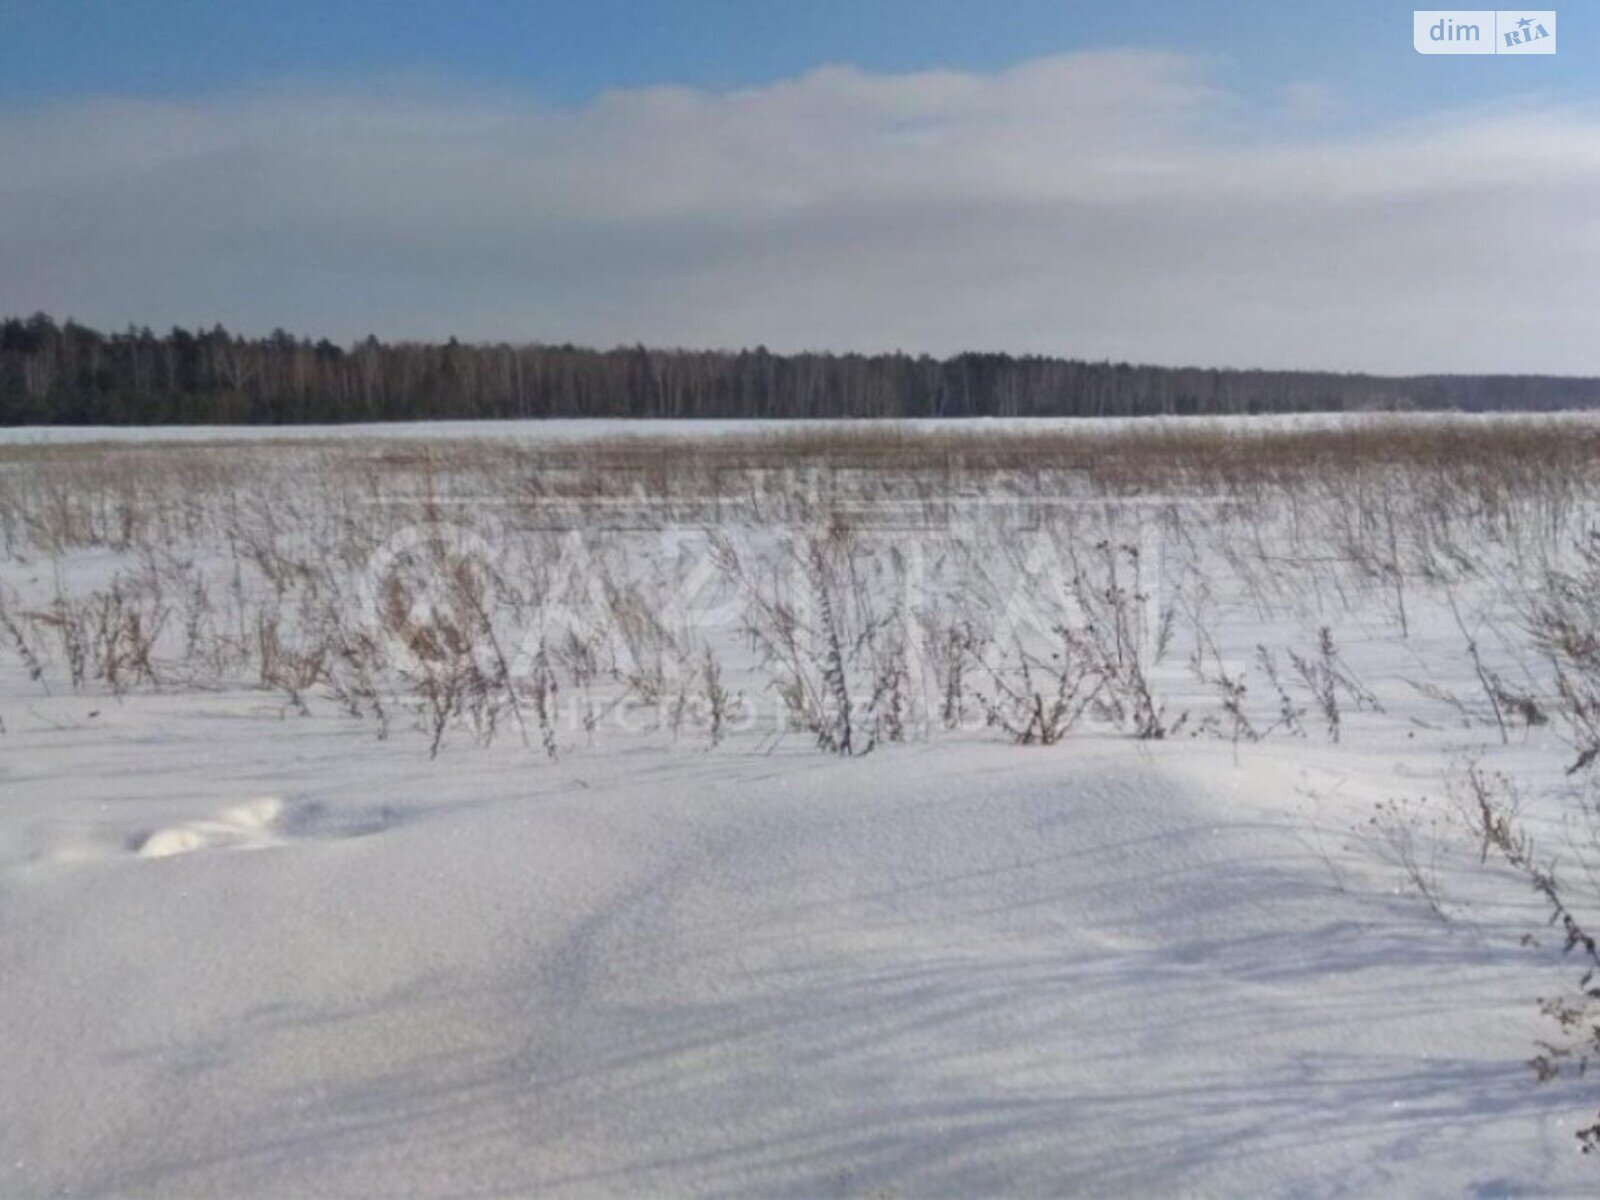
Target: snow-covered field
(376,823)
(575,429)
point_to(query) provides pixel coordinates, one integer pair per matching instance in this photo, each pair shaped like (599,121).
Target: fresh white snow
(249,951)
(580,429)
(945,970)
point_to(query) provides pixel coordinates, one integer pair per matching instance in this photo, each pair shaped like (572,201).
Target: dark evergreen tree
(70,374)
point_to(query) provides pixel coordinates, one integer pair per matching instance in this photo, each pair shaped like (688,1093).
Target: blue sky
(566,51)
(1245,184)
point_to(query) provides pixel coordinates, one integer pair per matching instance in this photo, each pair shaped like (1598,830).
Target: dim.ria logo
(1484,31)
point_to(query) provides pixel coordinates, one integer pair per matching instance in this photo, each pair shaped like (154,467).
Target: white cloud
(1310,100)
(1108,204)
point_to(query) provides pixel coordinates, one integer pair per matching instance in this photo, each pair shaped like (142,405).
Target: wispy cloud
(1108,204)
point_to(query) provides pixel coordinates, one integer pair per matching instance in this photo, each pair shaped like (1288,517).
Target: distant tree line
(68,374)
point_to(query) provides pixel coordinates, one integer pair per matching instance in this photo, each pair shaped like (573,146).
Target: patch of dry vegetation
(863,585)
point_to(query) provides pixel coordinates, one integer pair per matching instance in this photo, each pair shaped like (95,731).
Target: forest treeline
(68,374)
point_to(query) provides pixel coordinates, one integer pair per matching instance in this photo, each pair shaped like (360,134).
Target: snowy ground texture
(275,924)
